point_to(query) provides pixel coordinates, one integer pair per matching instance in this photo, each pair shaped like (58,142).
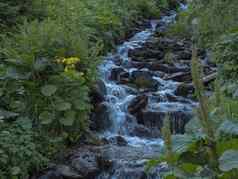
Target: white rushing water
(131,159)
(118,96)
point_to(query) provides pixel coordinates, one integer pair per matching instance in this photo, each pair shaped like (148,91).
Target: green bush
(214,17)
(209,147)
(48,65)
(19,151)
(226,55)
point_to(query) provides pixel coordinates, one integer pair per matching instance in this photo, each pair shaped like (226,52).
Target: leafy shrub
(226,55)
(209,147)
(19,151)
(31,65)
(13,12)
(215,18)
(47,68)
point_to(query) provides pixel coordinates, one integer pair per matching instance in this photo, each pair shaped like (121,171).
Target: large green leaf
(48,90)
(68,119)
(225,144)
(15,171)
(228,160)
(228,128)
(181,143)
(46,118)
(63,106)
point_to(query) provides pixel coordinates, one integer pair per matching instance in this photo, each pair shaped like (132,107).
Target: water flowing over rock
(147,79)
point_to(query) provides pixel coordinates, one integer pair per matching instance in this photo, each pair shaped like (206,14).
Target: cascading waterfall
(119,96)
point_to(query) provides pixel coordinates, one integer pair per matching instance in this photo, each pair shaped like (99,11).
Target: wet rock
(131,173)
(51,175)
(85,163)
(98,92)
(104,162)
(68,173)
(118,140)
(180,77)
(138,104)
(139,65)
(184,89)
(142,131)
(184,55)
(167,68)
(144,80)
(146,53)
(117,60)
(152,119)
(135,129)
(99,118)
(115,74)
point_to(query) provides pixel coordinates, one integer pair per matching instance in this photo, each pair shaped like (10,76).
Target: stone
(68,173)
(144,80)
(51,175)
(184,89)
(166,68)
(180,77)
(98,92)
(145,53)
(154,119)
(99,118)
(115,73)
(143,131)
(138,104)
(118,140)
(85,163)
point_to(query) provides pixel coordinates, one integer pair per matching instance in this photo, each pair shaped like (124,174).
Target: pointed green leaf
(181,143)
(68,119)
(46,118)
(228,160)
(15,171)
(48,90)
(229,128)
(63,106)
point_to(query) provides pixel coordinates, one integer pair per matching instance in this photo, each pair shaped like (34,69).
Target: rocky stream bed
(145,79)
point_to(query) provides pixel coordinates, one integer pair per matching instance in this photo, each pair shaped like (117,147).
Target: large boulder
(99,118)
(144,80)
(180,77)
(155,119)
(146,53)
(85,163)
(137,105)
(184,89)
(134,129)
(118,140)
(98,92)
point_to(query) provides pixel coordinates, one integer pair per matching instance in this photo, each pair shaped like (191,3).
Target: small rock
(144,80)
(67,173)
(118,140)
(51,175)
(85,163)
(184,89)
(99,118)
(138,104)
(115,74)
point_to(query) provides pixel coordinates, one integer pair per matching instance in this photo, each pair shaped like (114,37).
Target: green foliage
(226,55)
(209,147)
(215,18)
(49,53)
(19,150)
(13,12)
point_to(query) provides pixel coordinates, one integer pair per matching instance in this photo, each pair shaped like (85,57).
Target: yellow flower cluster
(69,63)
